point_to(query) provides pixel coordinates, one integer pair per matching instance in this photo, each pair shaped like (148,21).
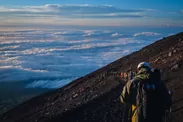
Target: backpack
(149,100)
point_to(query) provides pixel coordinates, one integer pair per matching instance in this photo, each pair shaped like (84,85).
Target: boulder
(175,67)
(170,54)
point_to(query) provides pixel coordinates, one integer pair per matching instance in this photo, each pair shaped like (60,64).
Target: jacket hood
(144,74)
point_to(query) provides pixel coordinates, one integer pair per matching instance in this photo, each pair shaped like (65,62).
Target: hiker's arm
(124,97)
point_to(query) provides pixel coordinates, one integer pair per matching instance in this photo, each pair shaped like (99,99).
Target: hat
(143,64)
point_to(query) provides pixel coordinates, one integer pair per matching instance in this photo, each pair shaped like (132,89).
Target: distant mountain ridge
(95,97)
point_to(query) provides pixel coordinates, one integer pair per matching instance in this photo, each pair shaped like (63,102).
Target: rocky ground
(14,93)
(95,97)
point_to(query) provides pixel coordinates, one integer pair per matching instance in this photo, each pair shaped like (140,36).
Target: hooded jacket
(129,92)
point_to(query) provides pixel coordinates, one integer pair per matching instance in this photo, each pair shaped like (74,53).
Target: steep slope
(99,91)
(14,93)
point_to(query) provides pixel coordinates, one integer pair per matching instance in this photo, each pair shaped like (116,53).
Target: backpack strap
(138,90)
(133,111)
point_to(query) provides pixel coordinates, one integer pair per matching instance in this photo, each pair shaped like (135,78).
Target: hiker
(125,76)
(121,75)
(147,95)
(131,75)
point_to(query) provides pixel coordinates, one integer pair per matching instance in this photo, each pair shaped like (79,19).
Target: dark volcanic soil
(95,97)
(14,93)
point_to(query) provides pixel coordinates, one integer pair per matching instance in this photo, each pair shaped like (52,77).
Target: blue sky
(92,12)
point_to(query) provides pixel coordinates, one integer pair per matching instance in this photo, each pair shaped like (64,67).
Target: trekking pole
(170,110)
(168,114)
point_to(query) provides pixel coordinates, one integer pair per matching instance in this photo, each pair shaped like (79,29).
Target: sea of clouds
(53,58)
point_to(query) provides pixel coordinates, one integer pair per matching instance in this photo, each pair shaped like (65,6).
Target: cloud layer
(147,34)
(53,58)
(74,11)
(60,50)
(53,15)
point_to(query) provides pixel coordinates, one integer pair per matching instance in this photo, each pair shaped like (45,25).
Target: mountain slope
(95,97)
